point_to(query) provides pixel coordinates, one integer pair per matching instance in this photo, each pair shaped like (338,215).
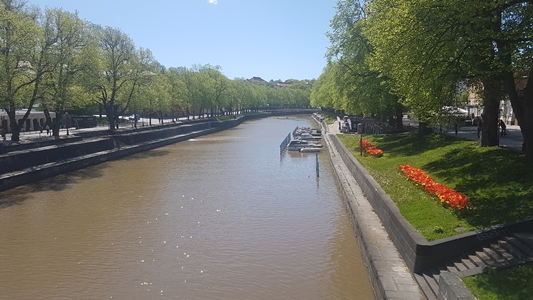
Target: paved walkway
(512,141)
(32,136)
(388,272)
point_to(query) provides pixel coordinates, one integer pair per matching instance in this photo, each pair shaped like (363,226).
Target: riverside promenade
(389,275)
(438,265)
(512,141)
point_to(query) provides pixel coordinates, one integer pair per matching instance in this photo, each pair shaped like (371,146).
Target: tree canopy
(424,54)
(53,60)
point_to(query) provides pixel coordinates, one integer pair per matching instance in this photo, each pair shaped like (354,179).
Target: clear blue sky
(271,39)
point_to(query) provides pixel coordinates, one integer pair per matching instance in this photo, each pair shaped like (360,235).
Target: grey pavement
(32,136)
(512,141)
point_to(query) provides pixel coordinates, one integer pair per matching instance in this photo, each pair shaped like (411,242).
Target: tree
(324,90)
(215,87)
(122,69)
(190,86)
(157,96)
(363,90)
(20,69)
(72,52)
(431,47)
(176,93)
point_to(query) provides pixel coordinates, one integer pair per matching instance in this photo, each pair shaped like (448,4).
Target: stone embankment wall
(26,163)
(22,166)
(30,165)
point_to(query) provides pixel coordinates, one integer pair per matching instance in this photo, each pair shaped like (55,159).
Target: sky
(271,39)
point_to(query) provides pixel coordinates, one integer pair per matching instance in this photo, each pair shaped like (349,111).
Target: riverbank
(437,265)
(389,275)
(37,158)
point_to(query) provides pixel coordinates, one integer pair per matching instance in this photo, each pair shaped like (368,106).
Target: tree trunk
(523,109)
(109,110)
(56,125)
(15,130)
(491,106)
(424,129)
(399,117)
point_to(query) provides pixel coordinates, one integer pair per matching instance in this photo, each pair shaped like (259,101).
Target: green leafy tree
(176,94)
(121,70)
(431,48)
(21,66)
(72,53)
(362,90)
(324,90)
(214,88)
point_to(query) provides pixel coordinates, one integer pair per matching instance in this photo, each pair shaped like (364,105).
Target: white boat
(308,137)
(296,145)
(307,130)
(310,149)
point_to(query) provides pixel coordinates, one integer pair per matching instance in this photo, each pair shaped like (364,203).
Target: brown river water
(222,216)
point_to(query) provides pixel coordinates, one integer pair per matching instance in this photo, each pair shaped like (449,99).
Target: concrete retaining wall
(18,160)
(26,166)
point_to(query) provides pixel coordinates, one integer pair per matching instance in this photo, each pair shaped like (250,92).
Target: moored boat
(296,145)
(310,149)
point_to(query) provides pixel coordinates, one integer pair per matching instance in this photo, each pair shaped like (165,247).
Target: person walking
(503,127)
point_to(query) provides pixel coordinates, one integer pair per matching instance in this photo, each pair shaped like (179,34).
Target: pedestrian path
(390,276)
(33,136)
(513,140)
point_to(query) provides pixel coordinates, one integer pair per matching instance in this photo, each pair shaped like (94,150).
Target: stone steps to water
(511,250)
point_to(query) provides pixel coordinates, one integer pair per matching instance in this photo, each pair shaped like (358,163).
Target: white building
(35,121)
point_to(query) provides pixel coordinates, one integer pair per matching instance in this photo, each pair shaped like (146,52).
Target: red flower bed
(371,149)
(445,195)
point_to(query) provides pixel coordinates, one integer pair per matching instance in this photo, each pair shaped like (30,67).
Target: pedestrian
(503,127)
(47,130)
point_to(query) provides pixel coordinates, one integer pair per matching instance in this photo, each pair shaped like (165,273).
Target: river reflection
(221,216)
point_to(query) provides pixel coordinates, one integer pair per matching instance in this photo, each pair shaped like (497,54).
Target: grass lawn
(512,284)
(497,181)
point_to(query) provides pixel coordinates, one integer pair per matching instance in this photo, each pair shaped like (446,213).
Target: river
(222,216)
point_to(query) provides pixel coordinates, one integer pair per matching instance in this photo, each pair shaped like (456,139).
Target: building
(36,120)
(257,80)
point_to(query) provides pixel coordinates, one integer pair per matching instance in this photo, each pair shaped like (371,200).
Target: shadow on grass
(407,144)
(497,181)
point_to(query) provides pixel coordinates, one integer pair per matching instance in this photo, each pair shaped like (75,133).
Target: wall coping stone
(451,287)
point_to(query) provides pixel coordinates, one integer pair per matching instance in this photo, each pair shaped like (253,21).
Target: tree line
(390,56)
(54,60)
